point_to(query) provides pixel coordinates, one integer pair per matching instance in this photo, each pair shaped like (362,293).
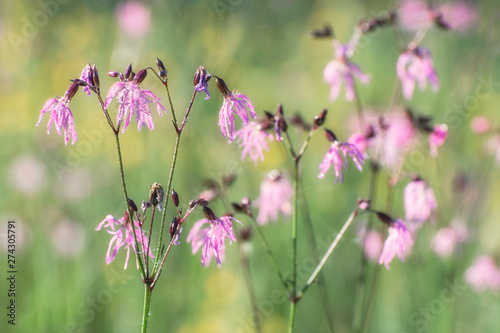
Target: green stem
(314,274)
(130,212)
(269,253)
(147,305)
(361,287)
(158,265)
(294,246)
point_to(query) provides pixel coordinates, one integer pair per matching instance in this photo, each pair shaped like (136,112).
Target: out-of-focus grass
(264,50)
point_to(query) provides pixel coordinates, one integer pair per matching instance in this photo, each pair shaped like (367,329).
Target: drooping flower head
(211,239)
(337,155)
(341,69)
(253,139)
(420,202)
(60,114)
(483,274)
(437,138)
(122,235)
(133,100)
(234,103)
(398,241)
(415,66)
(276,194)
(200,80)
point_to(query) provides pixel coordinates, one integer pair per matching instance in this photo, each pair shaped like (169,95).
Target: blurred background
(57,195)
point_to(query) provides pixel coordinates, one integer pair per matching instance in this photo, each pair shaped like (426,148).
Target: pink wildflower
(341,69)
(483,274)
(446,240)
(456,15)
(61,115)
(415,66)
(211,238)
(337,155)
(373,243)
(480,124)
(399,240)
(234,103)
(415,14)
(253,140)
(132,99)
(275,196)
(86,77)
(121,230)
(420,203)
(437,138)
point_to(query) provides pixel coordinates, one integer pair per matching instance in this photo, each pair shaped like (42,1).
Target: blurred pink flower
(397,243)
(360,141)
(341,69)
(121,230)
(61,115)
(211,238)
(457,15)
(275,196)
(393,135)
(420,203)
(234,103)
(483,274)
(134,18)
(373,244)
(132,99)
(437,138)
(337,155)
(414,14)
(480,124)
(415,66)
(446,240)
(68,238)
(253,140)
(27,174)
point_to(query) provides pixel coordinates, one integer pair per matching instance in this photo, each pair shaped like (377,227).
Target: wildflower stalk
(147,304)
(293,298)
(178,129)
(361,287)
(327,253)
(269,253)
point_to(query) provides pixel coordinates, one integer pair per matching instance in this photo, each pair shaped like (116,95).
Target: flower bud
(364,204)
(132,205)
(113,74)
(209,214)
(246,234)
(128,72)
(70,93)
(156,194)
(385,218)
(221,85)
(161,68)
(330,135)
(173,226)
(139,77)
(175,198)
(325,32)
(320,120)
(95,77)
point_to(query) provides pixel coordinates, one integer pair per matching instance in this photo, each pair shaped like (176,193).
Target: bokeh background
(57,195)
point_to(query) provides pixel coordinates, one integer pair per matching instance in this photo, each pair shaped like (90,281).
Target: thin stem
(158,266)
(245,265)
(149,239)
(327,254)
(147,305)
(312,247)
(294,298)
(269,253)
(361,287)
(130,212)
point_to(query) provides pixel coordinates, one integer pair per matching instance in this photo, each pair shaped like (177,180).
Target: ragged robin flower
(60,114)
(133,100)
